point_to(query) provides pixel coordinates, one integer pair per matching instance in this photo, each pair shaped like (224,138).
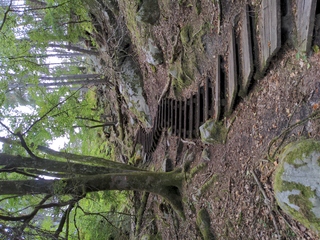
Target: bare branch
(65,217)
(25,146)
(6,127)
(27,217)
(50,110)
(98,214)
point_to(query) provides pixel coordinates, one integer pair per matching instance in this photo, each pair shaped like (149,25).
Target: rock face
(213,132)
(149,12)
(132,90)
(154,55)
(297,182)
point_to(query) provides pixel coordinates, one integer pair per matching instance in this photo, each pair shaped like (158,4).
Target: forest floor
(289,92)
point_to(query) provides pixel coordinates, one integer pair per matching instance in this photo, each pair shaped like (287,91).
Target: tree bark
(167,185)
(83,159)
(69,167)
(73,48)
(56,84)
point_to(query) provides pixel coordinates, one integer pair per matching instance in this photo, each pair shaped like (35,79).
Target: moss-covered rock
(297,182)
(149,12)
(213,132)
(154,55)
(131,87)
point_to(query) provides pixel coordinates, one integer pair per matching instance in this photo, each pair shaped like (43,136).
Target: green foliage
(102,218)
(52,113)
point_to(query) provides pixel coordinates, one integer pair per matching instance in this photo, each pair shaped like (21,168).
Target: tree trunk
(167,185)
(87,159)
(70,77)
(73,48)
(56,84)
(69,156)
(12,162)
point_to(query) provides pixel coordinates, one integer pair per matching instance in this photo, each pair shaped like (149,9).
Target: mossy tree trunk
(167,185)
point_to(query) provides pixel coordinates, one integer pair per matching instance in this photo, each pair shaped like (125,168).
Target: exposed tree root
(165,90)
(267,202)
(315,115)
(140,212)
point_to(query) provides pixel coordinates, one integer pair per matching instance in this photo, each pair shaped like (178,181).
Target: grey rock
(297,182)
(205,155)
(149,12)
(154,55)
(131,87)
(213,132)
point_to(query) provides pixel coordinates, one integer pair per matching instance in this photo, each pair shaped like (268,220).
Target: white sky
(57,144)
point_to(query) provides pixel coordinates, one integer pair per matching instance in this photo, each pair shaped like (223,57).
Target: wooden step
(270,31)
(232,84)
(305,23)
(246,57)
(217,102)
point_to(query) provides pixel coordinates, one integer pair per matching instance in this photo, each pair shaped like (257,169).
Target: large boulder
(212,132)
(149,12)
(131,87)
(297,182)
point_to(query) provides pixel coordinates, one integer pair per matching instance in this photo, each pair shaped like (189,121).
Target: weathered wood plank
(185,118)
(180,119)
(175,127)
(232,74)
(197,120)
(165,117)
(191,114)
(206,100)
(217,102)
(246,53)
(270,31)
(306,11)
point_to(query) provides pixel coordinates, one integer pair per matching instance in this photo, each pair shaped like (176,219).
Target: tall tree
(74,182)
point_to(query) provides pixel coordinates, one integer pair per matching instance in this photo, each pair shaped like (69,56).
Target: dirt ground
(289,92)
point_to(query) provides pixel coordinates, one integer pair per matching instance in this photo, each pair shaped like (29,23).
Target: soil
(288,93)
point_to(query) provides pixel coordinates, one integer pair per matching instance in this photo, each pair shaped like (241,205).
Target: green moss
(184,65)
(298,195)
(208,184)
(203,224)
(198,7)
(213,132)
(186,34)
(298,150)
(153,68)
(197,169)
(139,32)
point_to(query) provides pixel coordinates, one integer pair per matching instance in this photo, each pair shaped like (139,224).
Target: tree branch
(50,110)
(98,214)
(65,217)
(6,15)
(27,217)
(16,170)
